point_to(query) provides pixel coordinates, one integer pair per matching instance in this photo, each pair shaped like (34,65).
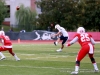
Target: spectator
(11,29)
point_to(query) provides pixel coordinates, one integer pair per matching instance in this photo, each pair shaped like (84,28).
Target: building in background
(13,4)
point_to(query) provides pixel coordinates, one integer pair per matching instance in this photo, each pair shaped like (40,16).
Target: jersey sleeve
(92,41)
(90,35)
(59,30)
(76,35)
(75,39)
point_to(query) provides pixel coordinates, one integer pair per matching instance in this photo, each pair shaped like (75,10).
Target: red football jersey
(83,38)
(6,39)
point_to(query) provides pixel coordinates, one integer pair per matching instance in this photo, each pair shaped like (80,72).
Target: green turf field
(42,59)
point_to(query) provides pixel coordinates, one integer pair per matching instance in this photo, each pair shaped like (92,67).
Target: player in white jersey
(63,36)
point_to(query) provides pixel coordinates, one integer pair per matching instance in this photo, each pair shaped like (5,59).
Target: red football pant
(9,49)
(84,51)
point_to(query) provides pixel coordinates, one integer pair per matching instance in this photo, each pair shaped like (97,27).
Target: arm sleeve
(74,40)
(92,41)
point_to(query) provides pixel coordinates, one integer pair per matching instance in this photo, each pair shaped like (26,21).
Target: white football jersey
(63,31)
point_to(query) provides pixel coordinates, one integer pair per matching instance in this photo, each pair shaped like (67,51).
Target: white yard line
(61,69)
(33,67)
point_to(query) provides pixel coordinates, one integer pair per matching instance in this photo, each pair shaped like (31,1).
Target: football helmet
(57,26)
(80,30)
(2,33)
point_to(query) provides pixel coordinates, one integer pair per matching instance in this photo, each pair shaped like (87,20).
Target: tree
(25,18)
(91,20)
(64,12)
(70,13)
(3,12)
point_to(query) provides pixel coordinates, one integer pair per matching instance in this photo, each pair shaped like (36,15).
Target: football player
(6,45)
(87,47)
(63,35)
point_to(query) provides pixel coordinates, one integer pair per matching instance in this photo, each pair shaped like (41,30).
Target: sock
(56,42)
(2,54)
(95,66)
(15,56)
(76,68)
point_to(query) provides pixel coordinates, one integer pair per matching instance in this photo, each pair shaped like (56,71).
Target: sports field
(41,58)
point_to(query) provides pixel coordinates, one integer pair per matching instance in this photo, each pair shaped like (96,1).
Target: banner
(35,35)
(44,35)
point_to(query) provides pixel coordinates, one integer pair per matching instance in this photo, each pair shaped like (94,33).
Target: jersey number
(85,37)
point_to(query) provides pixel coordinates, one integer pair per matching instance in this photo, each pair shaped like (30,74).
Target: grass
(42,59)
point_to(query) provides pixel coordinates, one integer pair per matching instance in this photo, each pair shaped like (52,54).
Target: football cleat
(74,72)
(17,59)
(96,71)
(55,44)
(2,58)
(59,50)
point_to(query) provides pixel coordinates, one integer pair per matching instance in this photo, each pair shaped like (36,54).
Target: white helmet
(80,30)
(57,26)
(2,33)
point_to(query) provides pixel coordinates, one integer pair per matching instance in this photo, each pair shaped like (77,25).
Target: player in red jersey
(6,45)
(86,41)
